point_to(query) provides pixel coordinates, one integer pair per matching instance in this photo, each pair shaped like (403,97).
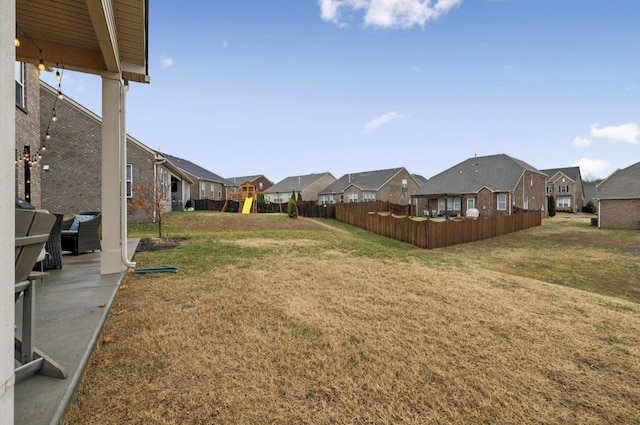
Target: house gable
(384,185)
(307,185)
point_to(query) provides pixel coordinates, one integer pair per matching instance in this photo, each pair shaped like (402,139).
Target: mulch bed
(158,244)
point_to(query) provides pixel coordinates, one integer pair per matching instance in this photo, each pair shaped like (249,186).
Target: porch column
(111,145)
(7,213)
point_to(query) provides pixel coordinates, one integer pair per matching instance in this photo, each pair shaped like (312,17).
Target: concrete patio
(71,307)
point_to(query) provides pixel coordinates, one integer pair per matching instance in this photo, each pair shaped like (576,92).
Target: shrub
(292,208)
(551,205)
(299,196)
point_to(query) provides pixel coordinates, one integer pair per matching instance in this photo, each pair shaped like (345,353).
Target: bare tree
(150,199)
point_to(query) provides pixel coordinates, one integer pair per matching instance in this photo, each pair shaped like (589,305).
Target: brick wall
(28,134)
(73,182)
(142,164)
(74,155)
(619,213)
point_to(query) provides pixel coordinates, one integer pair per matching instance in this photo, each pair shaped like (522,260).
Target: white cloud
(387,13)
(591,166)
(380,121)
(629,133)
(581,142)
(166,62)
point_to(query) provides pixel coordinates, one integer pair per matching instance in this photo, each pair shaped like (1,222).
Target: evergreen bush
(292,208)
(551,205)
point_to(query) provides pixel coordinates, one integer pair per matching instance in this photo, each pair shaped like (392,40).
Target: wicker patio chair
(80,236)
(54,246)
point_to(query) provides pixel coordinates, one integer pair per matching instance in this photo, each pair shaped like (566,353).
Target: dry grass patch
(321,334)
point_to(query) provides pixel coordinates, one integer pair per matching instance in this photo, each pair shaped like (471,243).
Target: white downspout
(123,177)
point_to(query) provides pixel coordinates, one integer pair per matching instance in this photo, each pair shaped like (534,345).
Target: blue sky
(290,87)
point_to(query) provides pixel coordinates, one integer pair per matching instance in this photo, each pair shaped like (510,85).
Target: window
(404,184)
(525,203)
(260,186)
(441,205)
(453,204)
(19,74)
(220,191)
(129,179)
(353,197)
(212,192)
(563,189)
(203,189)
(471,203)
(549,189)
(563,203)
(502,202)
(368,196)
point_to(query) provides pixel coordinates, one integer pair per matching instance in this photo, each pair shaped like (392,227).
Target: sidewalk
(68,323)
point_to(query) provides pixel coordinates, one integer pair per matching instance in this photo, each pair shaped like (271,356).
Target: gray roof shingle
(196,170)
(367,180)
(499,173)
(571,172)
(237,181)
(297,183)
(623,183)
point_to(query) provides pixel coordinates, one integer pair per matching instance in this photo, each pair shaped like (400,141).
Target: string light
(16,40)
(54,117)
(58,76)
(41,66)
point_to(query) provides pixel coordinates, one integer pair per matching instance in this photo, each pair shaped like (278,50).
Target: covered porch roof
(95,37)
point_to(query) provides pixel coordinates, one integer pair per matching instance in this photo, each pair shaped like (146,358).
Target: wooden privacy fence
(430,233)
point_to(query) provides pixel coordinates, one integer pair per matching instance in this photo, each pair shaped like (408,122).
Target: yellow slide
(246,208)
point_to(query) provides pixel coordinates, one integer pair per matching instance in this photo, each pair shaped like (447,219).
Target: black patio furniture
(80,233)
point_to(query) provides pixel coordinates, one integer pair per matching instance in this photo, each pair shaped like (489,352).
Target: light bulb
(58,75)
(47,136)
(41,65)
(54,117)
(43,148)
(60,95)
(16,42)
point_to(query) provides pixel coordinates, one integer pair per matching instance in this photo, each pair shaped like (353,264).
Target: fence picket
(392,221)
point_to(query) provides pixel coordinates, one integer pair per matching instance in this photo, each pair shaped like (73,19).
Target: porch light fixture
(41,66)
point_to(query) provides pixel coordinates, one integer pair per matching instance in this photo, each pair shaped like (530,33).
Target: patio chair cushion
(77,220)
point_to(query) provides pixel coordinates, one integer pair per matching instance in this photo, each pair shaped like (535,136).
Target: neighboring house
(565,184)
(28,141)
(420,179)
(494,185)
(590,195)
(308,186)
(71,164)
(260,183)
(395,185)
(618,199)
(207,185)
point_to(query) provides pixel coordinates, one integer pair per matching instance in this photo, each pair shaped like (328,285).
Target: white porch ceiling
(93,36)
